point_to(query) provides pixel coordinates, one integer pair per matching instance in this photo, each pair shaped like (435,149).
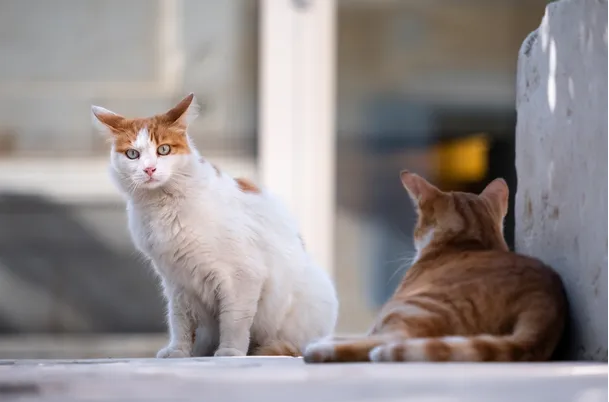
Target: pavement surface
(289,379)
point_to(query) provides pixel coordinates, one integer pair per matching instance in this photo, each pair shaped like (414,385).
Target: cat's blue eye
(163,149)
(132,154)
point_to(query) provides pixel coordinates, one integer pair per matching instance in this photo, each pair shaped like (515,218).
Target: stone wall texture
(561,160)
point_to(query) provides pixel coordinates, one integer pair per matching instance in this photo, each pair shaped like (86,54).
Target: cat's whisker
(405,263)
(399,259)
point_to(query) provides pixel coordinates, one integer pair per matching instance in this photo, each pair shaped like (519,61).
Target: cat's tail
(532,340)
(453,348)
(278,348)
(477,348)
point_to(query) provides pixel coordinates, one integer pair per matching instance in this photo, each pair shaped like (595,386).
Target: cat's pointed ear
(497,192)
(419,189)
(105,121)
(184,112)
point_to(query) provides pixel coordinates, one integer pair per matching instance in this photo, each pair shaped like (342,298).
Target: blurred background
(427,85)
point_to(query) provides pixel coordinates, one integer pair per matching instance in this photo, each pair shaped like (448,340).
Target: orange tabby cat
(466,297)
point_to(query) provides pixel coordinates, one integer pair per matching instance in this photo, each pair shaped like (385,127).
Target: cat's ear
(419,189)
(184,112)
(497,192)
(105,121)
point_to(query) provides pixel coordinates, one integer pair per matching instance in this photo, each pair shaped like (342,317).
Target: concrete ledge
(289,379)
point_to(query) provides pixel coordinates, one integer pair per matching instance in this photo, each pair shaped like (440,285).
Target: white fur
(231,263)
(421,244)
(407,310)
(192,112)
(380,353)
(320,351)
(414,350)
(98,110)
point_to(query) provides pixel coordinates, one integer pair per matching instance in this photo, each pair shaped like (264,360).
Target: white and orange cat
(466,297)
(232,265)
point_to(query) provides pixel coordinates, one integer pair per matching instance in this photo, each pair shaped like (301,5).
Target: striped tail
(453,348)
(534,339)
(278,348)
(529,342)
(479,348)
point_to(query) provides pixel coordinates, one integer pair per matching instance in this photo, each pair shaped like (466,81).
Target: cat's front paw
(228,352)
(172,351)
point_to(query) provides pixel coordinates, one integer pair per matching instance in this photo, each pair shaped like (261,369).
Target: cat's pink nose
(149,171)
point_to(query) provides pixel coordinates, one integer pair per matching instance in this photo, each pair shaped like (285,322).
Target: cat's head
(147,153)
(457,218)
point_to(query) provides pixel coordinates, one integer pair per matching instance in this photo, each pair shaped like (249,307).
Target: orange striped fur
(466,297)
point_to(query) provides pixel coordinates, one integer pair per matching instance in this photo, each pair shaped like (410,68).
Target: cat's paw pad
(319,352)
(228,352)
(171,352)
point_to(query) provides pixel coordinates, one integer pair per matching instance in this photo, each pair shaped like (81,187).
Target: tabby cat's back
(466,297)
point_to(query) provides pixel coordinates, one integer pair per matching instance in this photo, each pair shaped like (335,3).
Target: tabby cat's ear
(105,121)
(419,189)
(184,112)
(497,192)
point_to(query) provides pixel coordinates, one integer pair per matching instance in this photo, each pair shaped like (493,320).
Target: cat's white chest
(150,232)
(181,244)
(173,238)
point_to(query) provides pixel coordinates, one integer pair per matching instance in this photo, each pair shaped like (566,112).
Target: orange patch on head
(168,128)
(174,136)
(246,185)
(124,139)
(160,133)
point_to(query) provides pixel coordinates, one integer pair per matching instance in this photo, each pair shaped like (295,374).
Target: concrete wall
(561,159)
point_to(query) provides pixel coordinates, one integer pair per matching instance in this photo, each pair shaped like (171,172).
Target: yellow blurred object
(463,160)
